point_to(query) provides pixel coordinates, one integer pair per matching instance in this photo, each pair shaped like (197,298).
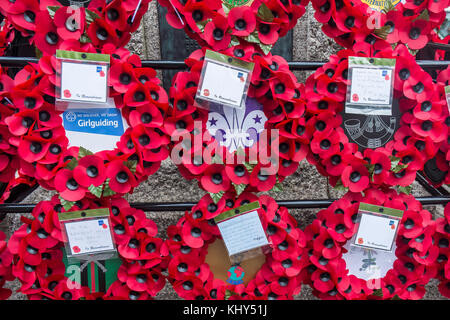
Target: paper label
(95,128)
(99,121)
(243,232)
(371,86)
(377,230)
(85,82)
(224,80)
(223,84)
(89,236)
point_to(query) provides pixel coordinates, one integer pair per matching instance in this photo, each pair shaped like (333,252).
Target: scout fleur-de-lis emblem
(237,128)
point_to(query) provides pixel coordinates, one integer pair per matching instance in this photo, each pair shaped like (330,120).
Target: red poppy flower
(122,180)
(242,20)
(415,34)
(101,32)
(216,34)
(90,171)
(70,23)
(355,177)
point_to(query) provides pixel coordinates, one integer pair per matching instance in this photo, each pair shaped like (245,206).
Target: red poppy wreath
(443,154)
(45,151)
(220,24)
(442,240)
(338,271)
(6,259)
(9,162)
(38,256)
(373,151)
(409,22)
(196,266)
(50,25)
(233,143)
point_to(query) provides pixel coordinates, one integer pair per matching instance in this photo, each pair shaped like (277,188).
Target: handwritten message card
(372,86)
(83,82)
(223,84)
(89,236)
(242,233)
(377,227)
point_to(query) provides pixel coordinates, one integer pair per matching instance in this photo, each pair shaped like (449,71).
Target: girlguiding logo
(235,275)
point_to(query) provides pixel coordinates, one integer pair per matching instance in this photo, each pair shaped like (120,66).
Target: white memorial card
(377,229)
(224,80)
(89,236)
(84,82)
(223,84)
(242,233)
(371,86)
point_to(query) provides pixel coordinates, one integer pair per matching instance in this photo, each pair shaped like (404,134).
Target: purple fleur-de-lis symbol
(237,128)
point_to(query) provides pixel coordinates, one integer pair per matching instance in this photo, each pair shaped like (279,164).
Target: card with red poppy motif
(242,232)
(377,227)
(370,91)
(447,96)
(83,77)
(224,81)
(87,233)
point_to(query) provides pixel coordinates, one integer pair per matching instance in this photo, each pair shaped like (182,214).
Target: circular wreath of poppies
(420,132)
(9,162)
(279,278)
(442,240)
(217,23)
(37,249)
(443,154)
(334,226)
(410,22)
(37,131)
(6,259)
(49,24)
(281,97)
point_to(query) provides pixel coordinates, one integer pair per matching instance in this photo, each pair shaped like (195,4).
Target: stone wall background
(167,185)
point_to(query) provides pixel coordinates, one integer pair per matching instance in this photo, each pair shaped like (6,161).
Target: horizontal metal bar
(439,46)
(178,65)
(183,206)
(420,178)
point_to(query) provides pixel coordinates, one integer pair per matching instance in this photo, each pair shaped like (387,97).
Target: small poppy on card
(102,73)
(206,92)
(76,249)
(393,227)
(355,97)
(360,241)
(67,93)
(104,226)
(386,78)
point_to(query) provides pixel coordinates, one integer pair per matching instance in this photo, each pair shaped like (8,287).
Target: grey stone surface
(167,185)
